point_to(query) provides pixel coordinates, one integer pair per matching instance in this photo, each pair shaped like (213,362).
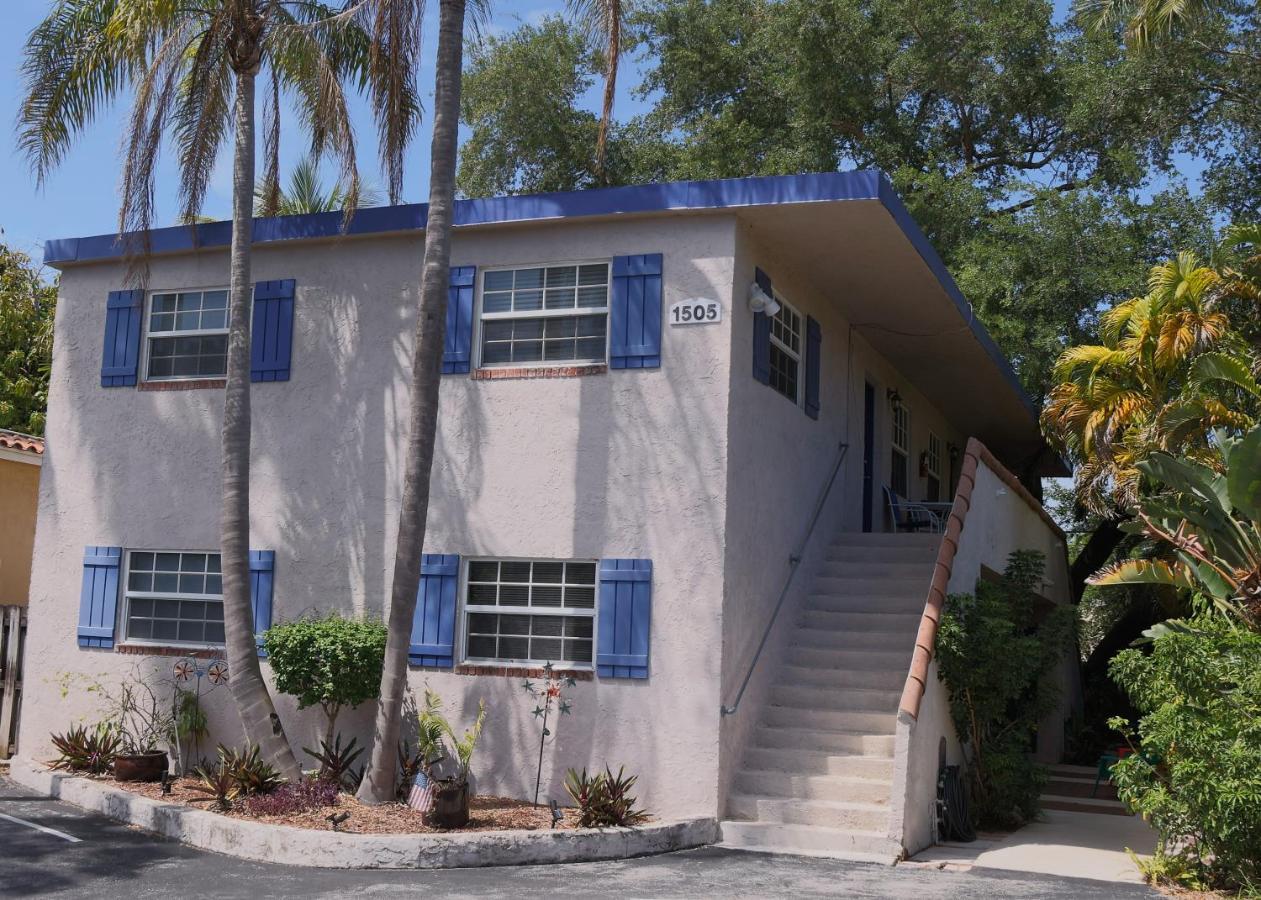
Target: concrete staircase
(1072,789)
(817,775)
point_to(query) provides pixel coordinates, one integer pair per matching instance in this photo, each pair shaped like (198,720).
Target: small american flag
(421,796)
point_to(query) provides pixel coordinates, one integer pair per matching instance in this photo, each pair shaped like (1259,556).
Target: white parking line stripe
(53,831)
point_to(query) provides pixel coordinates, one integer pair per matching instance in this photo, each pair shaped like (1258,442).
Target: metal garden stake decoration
(547,694)
(214,670)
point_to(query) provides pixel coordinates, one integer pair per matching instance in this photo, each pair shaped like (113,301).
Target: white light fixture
(762,302)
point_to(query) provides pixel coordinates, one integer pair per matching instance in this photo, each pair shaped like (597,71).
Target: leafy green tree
(27,306)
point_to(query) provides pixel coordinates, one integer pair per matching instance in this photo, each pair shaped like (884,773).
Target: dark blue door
(869,451)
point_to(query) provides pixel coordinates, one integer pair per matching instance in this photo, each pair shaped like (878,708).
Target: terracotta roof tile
(13,440)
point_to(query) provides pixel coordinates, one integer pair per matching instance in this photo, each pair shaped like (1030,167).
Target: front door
(869,452)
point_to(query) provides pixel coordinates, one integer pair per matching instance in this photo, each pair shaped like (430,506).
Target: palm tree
(379,782)
(306,193)
(603,21)
(193,67)
(1169,371)
(1145,19)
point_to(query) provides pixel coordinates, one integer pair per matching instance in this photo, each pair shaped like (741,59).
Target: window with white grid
(187,335)
(932,466)
(786,334)
(530,611)
(173,597)
(545,314)
(901,443)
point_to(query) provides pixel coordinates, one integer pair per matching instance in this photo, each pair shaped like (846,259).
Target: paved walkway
(1085,845)
(52,849)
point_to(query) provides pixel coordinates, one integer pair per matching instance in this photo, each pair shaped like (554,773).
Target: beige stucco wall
(626,464)
(19,497)
(998,522)
(778,466)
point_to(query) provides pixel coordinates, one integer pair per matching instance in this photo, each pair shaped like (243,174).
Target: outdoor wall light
(895,399)
(762,302)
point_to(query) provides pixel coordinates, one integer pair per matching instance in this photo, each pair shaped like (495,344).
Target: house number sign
(695,312)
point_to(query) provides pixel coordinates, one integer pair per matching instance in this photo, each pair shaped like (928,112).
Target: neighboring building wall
(625,464)
(19,498)
(999,519)
(778,466)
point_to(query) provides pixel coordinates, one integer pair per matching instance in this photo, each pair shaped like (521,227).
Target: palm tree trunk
(379,782)
(614,23)
(258,714)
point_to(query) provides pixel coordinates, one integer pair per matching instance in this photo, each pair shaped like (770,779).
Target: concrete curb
(329,850)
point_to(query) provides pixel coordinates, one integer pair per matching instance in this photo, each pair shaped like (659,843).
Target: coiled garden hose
(953,821)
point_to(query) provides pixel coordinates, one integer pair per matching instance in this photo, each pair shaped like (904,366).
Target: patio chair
(907,515)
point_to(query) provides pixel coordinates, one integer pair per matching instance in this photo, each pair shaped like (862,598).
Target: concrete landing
(1069,844)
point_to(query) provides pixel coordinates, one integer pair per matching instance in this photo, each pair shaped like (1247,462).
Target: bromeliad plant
(1208,522)
(546,694)
(604,799)
(90,750)
(336,761)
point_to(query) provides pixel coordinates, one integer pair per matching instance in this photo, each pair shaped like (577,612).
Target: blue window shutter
(433,625)
(814,338)
(98,600)
(457,349)
(123,311)
(635,312)
(625,618)
(271,341)
(262,570)
(762,333)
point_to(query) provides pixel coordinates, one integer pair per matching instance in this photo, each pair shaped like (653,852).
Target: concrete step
(823,697)
(1079,787)
(853,816)
(809,762)
(905,540)
(831,720)
(877,603)
(833,788)
(1084,804)
(890,679)
(862,567)
(824,740)
(809,840)
(903,640)
(863,621)
(851,586)
(838,657)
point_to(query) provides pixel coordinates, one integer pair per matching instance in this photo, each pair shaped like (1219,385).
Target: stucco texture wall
(625,464)
(19,498)
(998,522)
(778,466)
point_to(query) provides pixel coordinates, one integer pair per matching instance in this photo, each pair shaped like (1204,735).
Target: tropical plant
(604,21)
(1144,20)
(217,785)
(247,768)
(996,653)
(306,193)
(27,306)
(90,750)
(333,662)
(309,793)
(1195,774)
(604,799)
(133,711)
(545,694)
(435,730)
(378,785)
(1208,522)
(1168,372)
(336,761)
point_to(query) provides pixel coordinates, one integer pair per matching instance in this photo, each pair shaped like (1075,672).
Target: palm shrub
(1197,774)
(996,655)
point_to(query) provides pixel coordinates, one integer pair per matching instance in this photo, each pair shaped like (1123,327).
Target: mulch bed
(486,813)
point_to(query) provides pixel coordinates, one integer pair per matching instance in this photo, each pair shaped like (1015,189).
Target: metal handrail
(794,562)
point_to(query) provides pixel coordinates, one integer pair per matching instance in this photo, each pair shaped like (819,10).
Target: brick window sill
(539,372)
(523,672)
(200,384)
(159,650)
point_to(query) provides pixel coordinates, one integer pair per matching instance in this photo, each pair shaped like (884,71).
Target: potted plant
(450,807)
(143,724)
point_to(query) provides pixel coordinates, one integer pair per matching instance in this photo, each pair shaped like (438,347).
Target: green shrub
(333,662)
(1197,775)
(996,657)
(604,799)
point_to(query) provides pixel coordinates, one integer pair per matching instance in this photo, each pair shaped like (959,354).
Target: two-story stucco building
(658,402)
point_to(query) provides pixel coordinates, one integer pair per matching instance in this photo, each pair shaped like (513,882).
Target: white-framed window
(786,338)
(530,611)
(173,597)
(900,443)
(932,467)
(538,315)
(186,335)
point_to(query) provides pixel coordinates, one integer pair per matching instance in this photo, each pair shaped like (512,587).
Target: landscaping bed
(486,813)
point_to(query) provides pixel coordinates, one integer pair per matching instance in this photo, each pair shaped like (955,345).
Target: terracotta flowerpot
(140,766)
(450,806)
